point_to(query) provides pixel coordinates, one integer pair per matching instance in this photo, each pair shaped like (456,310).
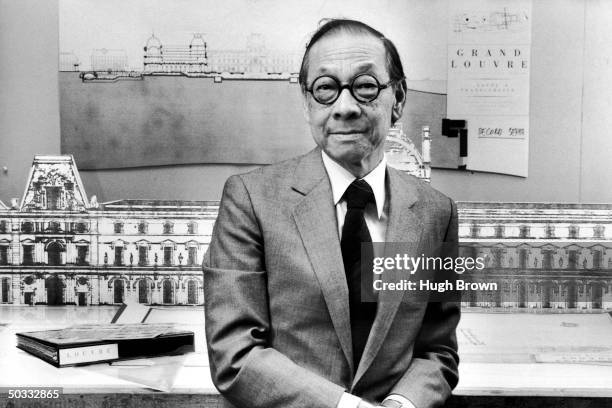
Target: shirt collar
(340,178)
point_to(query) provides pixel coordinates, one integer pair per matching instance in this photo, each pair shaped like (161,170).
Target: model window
(192,256)
(82,254)
(167,256)
(573,232)
(499,231)
(3,255)
(523,258)
(498,254)
(81,227)
(143,254)
(118,256)
(54,198)
(572,259)
(192,292)
(28,254)
(596,259)
(54,226)
(54,254)
(547,258)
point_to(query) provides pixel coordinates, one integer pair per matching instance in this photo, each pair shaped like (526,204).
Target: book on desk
(97,343)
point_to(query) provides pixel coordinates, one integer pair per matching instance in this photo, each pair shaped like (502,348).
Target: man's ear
(400,101)
(305,109)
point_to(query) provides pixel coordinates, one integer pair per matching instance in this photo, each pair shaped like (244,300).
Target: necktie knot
(358,194)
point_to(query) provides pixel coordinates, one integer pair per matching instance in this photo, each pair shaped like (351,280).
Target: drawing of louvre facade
(196,57)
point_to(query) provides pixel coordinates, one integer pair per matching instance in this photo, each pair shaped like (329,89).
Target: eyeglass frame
(349,86)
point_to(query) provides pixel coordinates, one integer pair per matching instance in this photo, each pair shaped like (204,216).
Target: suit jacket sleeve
(244,367)
(433,373)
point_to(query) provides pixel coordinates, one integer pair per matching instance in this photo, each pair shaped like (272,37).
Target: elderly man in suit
(285,325)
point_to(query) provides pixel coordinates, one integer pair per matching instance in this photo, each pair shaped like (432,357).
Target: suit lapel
(315,217)
(403,226)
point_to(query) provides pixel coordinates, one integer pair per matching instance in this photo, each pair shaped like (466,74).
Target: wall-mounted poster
(488,81)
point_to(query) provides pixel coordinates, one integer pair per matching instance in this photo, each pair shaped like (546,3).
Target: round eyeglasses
(364,88)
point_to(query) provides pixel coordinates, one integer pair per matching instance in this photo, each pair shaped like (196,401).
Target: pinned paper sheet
(489,45)
(580,338)
(157,373)
(131,312)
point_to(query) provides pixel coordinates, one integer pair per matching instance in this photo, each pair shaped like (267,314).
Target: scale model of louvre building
(59,247)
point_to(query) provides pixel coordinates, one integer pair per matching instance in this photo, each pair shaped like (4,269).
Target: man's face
(351,132)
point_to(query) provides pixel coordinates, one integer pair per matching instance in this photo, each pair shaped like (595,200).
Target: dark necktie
(354,232)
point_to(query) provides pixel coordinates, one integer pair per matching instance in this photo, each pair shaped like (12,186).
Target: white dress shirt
(376,216)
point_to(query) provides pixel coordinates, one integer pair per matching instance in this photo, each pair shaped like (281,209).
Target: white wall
(29,101)
(570,109)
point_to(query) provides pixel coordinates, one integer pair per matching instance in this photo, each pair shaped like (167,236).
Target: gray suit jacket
(276,297)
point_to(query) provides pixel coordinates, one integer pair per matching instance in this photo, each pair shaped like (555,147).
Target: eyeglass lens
(364,88)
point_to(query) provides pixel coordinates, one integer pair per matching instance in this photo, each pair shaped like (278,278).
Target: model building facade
(59,247)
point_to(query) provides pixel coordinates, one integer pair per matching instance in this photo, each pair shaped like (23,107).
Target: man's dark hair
(394,64)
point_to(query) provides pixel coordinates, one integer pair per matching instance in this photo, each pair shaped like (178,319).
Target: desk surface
(502,354)
(555,354)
